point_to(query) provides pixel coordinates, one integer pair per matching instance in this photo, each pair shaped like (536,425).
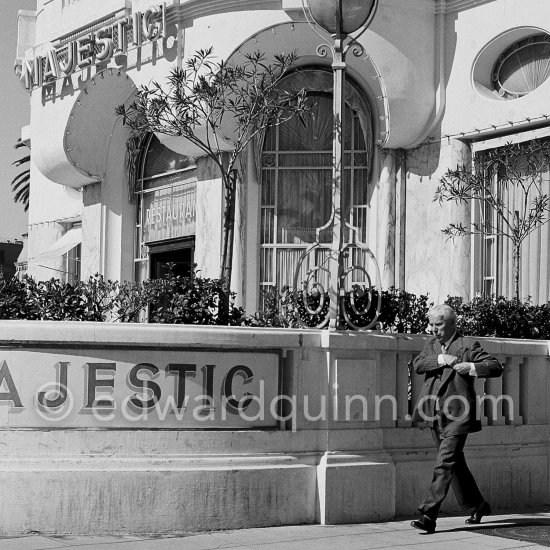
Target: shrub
(190,300)
(54,300)
(278,311)
(404,312)
(400,311)
(502,317)
(13,299)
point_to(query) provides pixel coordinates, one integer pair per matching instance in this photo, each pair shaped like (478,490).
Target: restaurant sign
(169,212)
(175,389)
(95,47)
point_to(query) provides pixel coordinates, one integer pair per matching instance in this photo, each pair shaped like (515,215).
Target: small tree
(520,169)
(20,185)
(209,103)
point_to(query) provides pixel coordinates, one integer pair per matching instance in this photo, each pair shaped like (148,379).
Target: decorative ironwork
(360,159)
(359,306)
(357,50)
(268,160)
(358,317)
(324,49)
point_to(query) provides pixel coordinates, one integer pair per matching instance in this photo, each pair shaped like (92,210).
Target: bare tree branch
(233,103)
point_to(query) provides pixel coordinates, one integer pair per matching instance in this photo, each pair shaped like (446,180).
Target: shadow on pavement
(534,530)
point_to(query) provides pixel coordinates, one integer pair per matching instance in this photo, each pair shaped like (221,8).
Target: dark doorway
(177,258)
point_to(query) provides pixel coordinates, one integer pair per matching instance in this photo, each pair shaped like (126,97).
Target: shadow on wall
(424,159)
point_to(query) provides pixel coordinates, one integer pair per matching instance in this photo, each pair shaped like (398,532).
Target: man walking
(450,364)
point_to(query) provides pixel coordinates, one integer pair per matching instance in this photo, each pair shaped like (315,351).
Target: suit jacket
(454,393)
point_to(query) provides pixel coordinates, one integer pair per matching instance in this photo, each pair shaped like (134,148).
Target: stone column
(239,235)
(92,231)
(460,213)
(400,217)
(209,220)
(386,218)
(251,256)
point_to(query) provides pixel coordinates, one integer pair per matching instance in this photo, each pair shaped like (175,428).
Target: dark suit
(448,403)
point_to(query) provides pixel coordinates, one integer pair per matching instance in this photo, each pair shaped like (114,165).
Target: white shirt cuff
(473,371)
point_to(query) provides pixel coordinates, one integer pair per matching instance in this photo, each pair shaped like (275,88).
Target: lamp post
(341,19)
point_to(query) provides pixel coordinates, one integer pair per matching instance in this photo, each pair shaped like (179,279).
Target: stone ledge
(17,333)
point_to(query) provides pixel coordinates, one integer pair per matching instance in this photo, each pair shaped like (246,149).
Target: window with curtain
(495,252)
(72,261)
(296,176)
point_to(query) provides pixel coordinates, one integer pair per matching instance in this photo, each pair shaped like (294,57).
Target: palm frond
(21,183)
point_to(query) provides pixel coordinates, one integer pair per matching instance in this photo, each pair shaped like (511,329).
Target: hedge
(195,300)
(175,300)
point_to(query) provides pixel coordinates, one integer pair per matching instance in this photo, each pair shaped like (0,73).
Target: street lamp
(341,19)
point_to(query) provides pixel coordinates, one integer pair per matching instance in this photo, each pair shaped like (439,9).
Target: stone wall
(335,443)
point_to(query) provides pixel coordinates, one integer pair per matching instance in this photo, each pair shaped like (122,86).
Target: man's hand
(450,360)
(463,368)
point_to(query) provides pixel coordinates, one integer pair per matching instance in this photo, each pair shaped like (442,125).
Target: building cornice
(417,5)
(191,9)
(86,29)
(431,6)
(453,6)
(437,7)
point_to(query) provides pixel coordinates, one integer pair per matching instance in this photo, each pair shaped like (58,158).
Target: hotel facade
(438,83)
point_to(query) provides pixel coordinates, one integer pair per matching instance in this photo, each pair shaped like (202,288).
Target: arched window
(166,195)
(296,177)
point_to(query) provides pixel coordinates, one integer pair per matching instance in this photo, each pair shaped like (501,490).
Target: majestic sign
(138,389)
(169,212)
(95,47)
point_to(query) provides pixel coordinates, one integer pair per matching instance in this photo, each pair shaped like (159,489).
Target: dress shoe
(482,510)
(424,524)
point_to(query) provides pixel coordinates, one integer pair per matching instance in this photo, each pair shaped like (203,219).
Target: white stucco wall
(434,265)
(469,31)
(59,17)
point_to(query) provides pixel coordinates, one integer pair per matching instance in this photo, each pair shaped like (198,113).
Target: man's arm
(481,364)
(430,362)
(486,365)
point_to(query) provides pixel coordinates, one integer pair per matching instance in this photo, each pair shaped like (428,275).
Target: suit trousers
(450,470)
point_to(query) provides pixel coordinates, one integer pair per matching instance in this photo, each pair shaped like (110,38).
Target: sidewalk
(451,534)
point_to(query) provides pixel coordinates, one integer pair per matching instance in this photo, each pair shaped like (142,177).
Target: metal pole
(336,267)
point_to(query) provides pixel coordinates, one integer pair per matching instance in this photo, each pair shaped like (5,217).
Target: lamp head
(342,17)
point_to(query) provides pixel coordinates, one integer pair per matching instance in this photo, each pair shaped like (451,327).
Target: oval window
(523,67)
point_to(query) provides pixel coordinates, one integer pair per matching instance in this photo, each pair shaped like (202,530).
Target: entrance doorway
(176,258)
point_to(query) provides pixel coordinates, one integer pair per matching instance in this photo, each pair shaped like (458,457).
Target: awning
(78,151)
(69,240)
